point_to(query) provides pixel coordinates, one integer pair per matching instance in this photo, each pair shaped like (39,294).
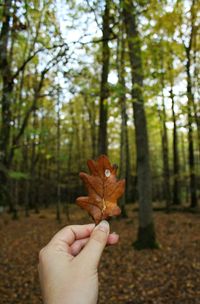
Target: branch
(95,16)
(49,65)
(22,67)
(98,40)
(27,115)
(192,25)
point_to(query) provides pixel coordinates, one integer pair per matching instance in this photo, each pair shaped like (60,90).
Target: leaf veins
(103,189)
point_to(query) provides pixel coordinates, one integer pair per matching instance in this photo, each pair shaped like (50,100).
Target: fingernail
(103,226)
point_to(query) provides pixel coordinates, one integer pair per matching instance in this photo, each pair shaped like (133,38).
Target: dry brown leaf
(103,189)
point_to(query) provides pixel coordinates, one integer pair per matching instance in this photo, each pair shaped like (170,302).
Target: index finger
(71,233)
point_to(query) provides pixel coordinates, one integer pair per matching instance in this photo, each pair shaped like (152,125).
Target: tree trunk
(190,97)
(103,113)
(146,233)
(165,157)
(124,144)
(15,196)
(184,169)
(165,144)
(91,109)
(191,159)
(34,159)
(7,87)
(196,106)
(58,201)
(176,169)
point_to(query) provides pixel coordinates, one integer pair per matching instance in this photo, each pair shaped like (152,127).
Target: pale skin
(68,264)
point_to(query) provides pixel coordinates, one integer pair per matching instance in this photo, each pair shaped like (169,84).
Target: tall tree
(190,104)
(58,139)
(165,154)
(7,87)
(176,169)
(90,106)
(124,168)
(165,145)
(190,97)
(103,113)
(146,232)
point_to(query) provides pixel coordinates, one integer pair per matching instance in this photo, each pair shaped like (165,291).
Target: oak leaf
(103,189)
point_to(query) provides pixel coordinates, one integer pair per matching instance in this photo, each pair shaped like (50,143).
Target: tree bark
(26,170)
(91,109)
(58,202)
(124,168)
(184,168)
(165,157)
(33,181)
(146,233)
(193,195)
(176,166)
(165,145)
(196,86)
(190,97)
(103,112)
(7,87)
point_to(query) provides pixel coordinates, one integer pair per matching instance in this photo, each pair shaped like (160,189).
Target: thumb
(94,248)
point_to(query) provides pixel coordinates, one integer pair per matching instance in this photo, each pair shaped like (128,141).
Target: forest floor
(170,275)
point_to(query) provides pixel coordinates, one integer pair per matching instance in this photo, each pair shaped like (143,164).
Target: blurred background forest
(82,78)
(73,76)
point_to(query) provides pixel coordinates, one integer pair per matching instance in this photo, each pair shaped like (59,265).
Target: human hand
(68,263)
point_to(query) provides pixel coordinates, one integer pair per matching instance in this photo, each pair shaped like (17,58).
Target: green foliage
(75,79)
(18,175)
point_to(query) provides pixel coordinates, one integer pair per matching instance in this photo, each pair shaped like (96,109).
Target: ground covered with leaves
(170,275)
